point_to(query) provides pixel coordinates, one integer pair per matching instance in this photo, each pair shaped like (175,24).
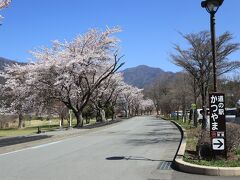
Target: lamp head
(211,5)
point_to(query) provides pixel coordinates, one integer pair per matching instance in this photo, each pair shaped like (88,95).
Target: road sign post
(217,123)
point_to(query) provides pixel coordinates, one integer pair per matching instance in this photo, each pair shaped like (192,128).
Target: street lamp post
(216,100)
(212,6)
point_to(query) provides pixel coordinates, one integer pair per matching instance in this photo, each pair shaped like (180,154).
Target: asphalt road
(129,150)
(137,149)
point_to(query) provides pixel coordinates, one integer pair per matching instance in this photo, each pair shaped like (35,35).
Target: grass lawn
(31,127)
(232,161)
(184,124)
(17,132)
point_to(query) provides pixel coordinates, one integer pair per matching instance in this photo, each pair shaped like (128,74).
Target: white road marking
(44,145)
(35,147)
(14,152)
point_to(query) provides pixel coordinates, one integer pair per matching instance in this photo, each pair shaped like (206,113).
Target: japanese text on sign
(216,109)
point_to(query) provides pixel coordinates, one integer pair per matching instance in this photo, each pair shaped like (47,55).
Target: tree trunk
(129,112)
(177,115)
(126,113)
(157,109)
(88,118)
(113,114)
(98,116)
(195,118)
(137,111)
(61,121)
(79,119)
(20,121)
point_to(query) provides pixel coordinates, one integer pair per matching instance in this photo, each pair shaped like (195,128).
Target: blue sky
(150,27)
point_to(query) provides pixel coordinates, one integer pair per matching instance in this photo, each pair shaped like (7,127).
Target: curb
(187,167)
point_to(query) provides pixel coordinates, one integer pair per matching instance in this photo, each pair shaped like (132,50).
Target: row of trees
(179,91)
(171,93)
(197,60)
(80,75)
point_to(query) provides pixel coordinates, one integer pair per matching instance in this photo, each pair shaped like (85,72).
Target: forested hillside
(143,76)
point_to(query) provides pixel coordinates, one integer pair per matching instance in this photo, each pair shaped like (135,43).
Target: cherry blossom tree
(4,4)
(80,74)
(146,106)
(18,98)
(105,96)
(72,71)
(135,103)
(129,99)
(118,88)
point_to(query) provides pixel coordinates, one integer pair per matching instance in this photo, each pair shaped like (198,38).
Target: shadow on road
(139,158)
(100,124)
(147,141)
(163,164)
(21,139)
(159,134)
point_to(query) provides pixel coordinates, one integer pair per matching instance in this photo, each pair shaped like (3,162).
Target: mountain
(4,62)
(140,76)
(143,76)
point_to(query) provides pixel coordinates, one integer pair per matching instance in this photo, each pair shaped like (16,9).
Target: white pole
(70,118)
(60,123)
